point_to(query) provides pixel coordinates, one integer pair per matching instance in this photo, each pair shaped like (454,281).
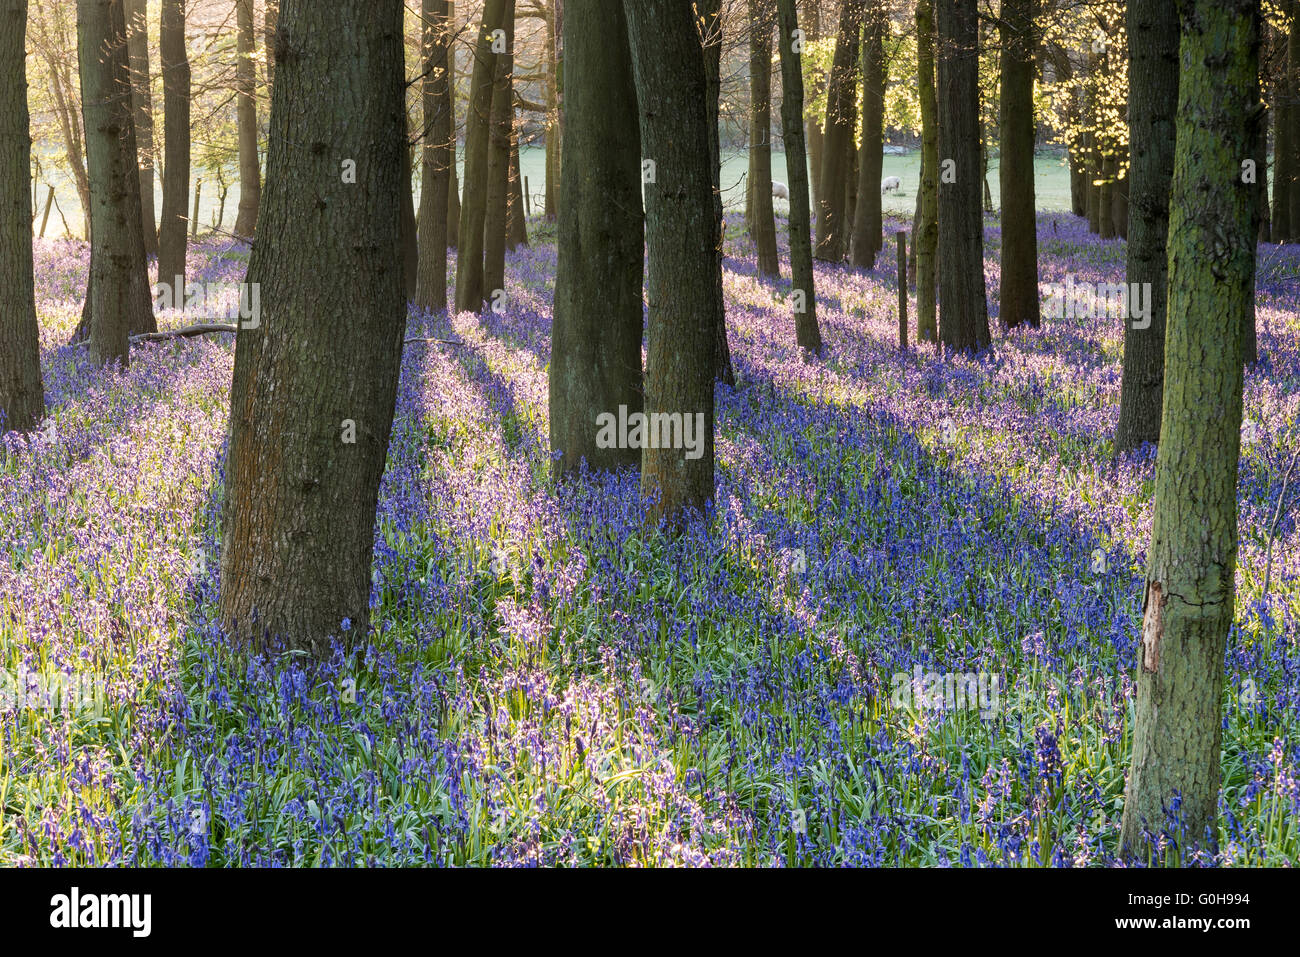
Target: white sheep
(889,183)
(780,190)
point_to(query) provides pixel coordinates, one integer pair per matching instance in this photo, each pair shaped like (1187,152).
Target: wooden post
(49,201)
(901,238)
(194,219)
(528,199)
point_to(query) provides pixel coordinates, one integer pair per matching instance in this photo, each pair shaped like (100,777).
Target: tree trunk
(550,55)
(927,242)
(761,218)
(833,228)
(1293,139)
(118,303)
(516,211)
(710,30)
(803,297)
(598,326)
(137,45)
(453,189)
(250,174)
(406,214)
(270,25)
(1261,176)
(684,290)
(175,63)
(431,285)
(473,212)
(963,309)
(1106,195)
(1283,126)
(813,129)
(1188,605)
(310,424)
(1119,204)
(1153,112)
(868,219)
(500,129)
(1018,295)
(22,397)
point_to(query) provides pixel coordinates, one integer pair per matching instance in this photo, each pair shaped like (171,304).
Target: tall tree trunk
(137,45)
(406,214)
(598,326)
(516,212)
(175,62)
(1119,204)
(552,64)
(1293,139)
(833,228)
(963,308)
(1188,605)
(22,397)
(500,128)
(1106,198)
(761,217)
(117,294)
(1283,168)
(710,30)
(250,174)
(309,425)
(1153,112)
(813,129)
(270,26)
(431,285)
(868,218)
(473,212)
(1261,176)
(453,189)
(927,241)
(1018,295)
(681,227)
(803,296)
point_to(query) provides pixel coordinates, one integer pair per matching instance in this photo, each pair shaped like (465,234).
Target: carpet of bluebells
(547,681)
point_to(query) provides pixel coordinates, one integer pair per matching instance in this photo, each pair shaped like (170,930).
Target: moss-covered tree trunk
(868,221)
(684,290)
(315,382)
(598,323)
(1188,606)
(118,303)
(803,297)
(963,308)
(761,217)
(22,397)
(437,157)
(250,173)
(473,210)
(175,63)
(1153,111)
(927,240)
(1018,295)
(833,226)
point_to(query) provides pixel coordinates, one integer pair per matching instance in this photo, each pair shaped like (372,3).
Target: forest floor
(549,682)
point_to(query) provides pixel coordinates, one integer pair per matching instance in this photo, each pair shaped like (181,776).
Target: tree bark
(803,296)
(175,62)
(684,289)
(762,218)
(868,218)
(250,174)
(813,129)
(1188,604)
(598,321)
(1153,113)
(710,30)
(299,521)
(963,309)
(500,128)
(516,211)
(473,212)
(927,241)
(118,303)
(137,45)
(22,396)
(1018,295)
(833,228)
(438,156)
